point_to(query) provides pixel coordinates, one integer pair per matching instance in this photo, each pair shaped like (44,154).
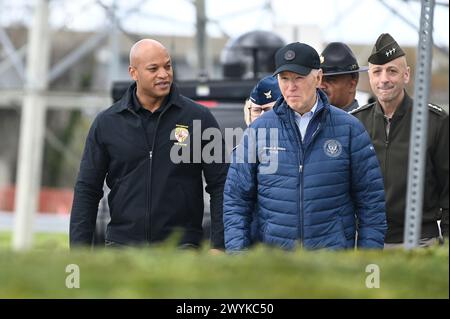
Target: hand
(216,252)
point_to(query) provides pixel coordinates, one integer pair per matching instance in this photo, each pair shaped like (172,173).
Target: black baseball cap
(296,57)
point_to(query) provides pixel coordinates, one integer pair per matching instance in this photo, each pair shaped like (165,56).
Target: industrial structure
(50,71)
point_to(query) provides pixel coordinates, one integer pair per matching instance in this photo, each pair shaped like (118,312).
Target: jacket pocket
(128,204)
(349,232)
(343,235)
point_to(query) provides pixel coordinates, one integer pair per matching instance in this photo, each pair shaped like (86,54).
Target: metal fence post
(419,128)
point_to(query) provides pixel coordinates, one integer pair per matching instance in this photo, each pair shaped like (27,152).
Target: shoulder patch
(436,108)
(362,108)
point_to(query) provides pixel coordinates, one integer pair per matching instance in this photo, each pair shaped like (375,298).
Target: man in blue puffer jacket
(306,168)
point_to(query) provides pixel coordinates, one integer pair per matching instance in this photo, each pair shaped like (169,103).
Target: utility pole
(114,47)
(32,128)
(201,37)
(419,129)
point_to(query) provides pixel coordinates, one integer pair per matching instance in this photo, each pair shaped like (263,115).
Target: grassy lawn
(45,241)
(165,272)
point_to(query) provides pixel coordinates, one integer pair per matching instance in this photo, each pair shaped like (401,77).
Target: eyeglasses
(256,110)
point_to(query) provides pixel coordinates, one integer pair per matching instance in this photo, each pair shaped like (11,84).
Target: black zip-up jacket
(151,195)
(393,155)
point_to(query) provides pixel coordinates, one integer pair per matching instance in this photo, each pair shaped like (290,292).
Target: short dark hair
(355,76)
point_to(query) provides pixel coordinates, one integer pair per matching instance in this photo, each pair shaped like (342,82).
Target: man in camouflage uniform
(388,121)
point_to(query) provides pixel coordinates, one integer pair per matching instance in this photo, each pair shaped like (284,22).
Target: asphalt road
(46,223)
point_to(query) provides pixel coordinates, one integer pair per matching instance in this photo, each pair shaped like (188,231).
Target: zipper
(386,154)
(305,155)
(300,177)
(319,126)
(386,159)
(147,214)
(149,194)
(301,168)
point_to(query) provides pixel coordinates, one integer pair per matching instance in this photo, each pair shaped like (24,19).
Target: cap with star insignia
(385,50)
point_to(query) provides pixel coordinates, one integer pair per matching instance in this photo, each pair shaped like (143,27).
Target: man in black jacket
(388,122)
(149,147)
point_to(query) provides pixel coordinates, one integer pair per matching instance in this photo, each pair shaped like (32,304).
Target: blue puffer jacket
(311,193)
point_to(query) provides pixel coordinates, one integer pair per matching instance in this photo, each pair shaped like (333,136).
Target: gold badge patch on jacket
(181,134)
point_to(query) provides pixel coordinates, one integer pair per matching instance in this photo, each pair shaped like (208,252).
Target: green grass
(165,272)
(45,241)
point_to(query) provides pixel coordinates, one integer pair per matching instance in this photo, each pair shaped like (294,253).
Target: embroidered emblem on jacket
(181,134)
(273,149)
(332,148)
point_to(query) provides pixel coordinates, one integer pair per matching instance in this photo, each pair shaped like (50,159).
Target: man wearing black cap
(388,121)
(315,174)
(340,75)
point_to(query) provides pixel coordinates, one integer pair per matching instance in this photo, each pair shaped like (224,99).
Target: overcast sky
(352,21)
